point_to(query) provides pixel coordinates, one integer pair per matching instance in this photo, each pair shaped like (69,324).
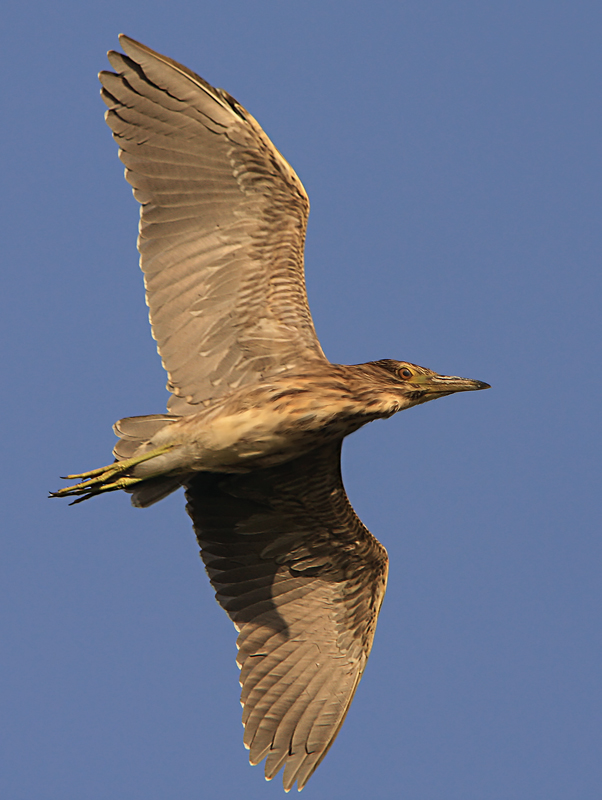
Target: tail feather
(151,491)
(134,433)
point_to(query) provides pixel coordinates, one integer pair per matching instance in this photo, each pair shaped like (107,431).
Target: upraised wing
(303,581)
(222,228)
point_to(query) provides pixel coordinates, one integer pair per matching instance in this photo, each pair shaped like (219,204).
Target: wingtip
(127,42)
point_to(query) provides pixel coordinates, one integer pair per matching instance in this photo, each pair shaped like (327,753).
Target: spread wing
(222,228)
(303,581)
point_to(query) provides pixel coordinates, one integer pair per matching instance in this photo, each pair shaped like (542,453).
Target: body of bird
(275,420)
(257,414)
(269,423)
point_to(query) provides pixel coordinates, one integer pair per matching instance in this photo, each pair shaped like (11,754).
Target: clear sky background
(451,152)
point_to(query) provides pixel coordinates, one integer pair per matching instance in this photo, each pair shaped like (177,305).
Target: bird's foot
(107,479)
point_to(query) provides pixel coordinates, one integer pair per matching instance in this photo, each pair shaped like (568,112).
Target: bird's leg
(109,478)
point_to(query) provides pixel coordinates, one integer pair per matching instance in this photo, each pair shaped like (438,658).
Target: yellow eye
(405,373)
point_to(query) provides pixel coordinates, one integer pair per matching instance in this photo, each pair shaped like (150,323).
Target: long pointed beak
(448,384)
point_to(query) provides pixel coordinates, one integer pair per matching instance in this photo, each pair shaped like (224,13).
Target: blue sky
(451,152)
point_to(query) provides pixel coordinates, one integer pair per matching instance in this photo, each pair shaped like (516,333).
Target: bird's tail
(134,435)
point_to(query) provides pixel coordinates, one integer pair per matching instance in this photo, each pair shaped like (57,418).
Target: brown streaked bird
(257,414)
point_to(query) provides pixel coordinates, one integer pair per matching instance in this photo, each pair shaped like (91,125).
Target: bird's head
(403,384)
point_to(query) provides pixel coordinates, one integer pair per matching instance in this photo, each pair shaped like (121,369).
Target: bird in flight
(257,413)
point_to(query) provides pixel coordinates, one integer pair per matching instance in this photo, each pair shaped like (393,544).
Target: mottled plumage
(257,414)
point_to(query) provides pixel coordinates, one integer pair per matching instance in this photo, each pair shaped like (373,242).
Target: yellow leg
(109,478)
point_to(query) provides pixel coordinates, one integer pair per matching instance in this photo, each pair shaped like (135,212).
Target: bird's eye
(405,373)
